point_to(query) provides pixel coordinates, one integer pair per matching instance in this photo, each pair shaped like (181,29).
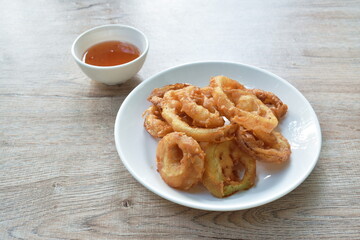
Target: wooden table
(61,176)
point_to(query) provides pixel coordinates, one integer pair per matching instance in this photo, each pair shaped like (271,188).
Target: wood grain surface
(60,174)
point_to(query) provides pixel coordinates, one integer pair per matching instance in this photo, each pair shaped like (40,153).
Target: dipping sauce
(111,53)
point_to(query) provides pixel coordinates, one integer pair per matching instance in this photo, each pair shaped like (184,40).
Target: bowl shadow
(97,89)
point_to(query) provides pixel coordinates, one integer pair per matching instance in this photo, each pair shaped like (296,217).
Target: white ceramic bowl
(110,75)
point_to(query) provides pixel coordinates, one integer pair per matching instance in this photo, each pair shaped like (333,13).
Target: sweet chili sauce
(111,53)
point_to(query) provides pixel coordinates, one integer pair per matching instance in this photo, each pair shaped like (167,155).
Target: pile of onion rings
(214,135)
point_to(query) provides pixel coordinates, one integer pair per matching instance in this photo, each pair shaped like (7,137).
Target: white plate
(300,126)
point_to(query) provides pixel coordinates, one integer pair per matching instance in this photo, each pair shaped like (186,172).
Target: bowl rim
(79,61)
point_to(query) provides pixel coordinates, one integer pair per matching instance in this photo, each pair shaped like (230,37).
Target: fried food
(223,165)
(250,112)
(268,147)
(241,106)
(272,101)
(180,160)
(158,93)
(200,107)
(215,134)
(155,124)
(171,109)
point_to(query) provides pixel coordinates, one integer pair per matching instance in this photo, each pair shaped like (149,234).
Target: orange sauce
(111,53)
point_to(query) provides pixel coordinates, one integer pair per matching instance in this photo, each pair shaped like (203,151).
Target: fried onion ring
(272,101)
(171,112)
(154,123)
(225,83)
(157,94)
(251,112)
(241,106)
(267,147)
(180,160)
(223,161)
(200,108)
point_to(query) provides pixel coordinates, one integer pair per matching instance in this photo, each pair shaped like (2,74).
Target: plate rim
(201,206)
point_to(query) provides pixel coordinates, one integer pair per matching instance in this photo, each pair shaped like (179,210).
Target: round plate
(300,126)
